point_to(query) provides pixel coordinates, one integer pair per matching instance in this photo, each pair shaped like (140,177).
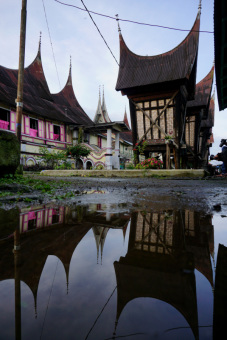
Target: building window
(56,132)
(86,138)
(33,124)
(4,119)
(100,142)
(33,127)
(55,216)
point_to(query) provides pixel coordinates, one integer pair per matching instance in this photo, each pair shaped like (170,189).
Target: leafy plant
(140,147)
(52,159)
(77,151)
(130,166)
(150,163)
(170,136)
(63,166)
(99,167)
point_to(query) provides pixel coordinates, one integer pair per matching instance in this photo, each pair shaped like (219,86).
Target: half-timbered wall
(165,121)
(190,131)
(189,223)
(154,233)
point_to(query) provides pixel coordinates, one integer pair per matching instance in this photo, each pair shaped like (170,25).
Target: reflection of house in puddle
(45,231)
(220,294)
(41,216)
(105,221)
(164,249)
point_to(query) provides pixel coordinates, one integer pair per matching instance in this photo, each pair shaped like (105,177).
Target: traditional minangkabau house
(46,230)
(52,121)
(158,88)
(164,249)
(197,112)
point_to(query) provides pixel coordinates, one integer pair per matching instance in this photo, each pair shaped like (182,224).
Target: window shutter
(61,214)
(50,215)
(12,121)
(68,135)
(25,223)
(62,133)
(27,125)
(39,219)
(22,126)
(47,130)
(41,128)
(51,131)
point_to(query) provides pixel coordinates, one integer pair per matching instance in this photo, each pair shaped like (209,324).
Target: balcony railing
(33,133)
(4,124)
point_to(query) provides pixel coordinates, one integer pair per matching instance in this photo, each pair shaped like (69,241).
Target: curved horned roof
(37,98)
(177,64)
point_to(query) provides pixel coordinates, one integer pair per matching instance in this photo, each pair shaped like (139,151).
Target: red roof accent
(136,70)
(203,91)
(126,120)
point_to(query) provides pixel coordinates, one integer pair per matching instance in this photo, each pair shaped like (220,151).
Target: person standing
(223,146)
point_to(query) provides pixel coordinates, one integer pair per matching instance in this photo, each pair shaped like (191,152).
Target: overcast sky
(74,34)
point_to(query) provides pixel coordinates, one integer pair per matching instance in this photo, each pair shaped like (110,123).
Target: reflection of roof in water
(164,248)
(59,240)
(171,285)
(220,296)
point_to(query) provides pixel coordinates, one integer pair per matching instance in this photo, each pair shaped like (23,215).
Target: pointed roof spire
(98,114)
(126,119)
(104,109)
(35,307)
(69,81)
(117,19)
(200,6)
(40,39)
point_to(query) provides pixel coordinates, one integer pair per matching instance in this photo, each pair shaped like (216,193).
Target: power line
(49,300)
(101,312)
(51,43)
(133,22)
(100,32)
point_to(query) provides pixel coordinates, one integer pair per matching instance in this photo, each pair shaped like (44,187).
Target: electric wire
(48,300)
(101,312)
(134,22)
(51,43)
(100,32)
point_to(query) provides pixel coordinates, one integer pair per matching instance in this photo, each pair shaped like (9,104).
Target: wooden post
(17,286)
(176,160)
(20,84)
(167,155)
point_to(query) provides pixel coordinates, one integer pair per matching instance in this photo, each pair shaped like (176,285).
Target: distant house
(53,121)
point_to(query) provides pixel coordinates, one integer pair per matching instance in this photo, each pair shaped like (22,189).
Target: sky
(69,32)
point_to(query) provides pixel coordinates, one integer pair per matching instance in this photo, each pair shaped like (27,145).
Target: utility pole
(20,83)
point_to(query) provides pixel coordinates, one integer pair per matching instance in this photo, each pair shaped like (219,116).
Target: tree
(77,151)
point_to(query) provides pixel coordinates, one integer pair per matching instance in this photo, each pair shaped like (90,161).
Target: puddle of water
(102,272)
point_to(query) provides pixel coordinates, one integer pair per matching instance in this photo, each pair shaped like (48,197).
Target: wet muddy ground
(209,194)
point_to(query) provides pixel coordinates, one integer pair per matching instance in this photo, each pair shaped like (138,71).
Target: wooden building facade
(159,89)
(198,111)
